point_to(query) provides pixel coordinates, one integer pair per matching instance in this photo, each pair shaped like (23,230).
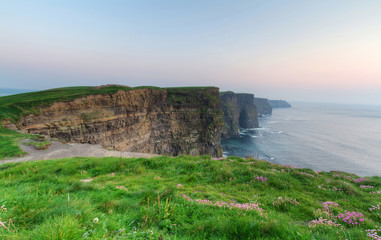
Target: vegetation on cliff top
(13,107)
(183,198)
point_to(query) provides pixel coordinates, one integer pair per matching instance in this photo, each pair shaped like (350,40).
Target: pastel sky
(298,50)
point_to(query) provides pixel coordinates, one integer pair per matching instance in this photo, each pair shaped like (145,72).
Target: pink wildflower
(324,222)
(360,180)
(261,179)
(351,218)
(373,233)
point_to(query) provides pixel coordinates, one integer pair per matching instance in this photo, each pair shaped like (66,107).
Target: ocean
(11,91)
(322,137)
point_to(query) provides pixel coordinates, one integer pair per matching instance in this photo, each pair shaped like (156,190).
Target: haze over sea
(323,137)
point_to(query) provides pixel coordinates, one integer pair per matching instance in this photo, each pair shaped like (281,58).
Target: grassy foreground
(183,198)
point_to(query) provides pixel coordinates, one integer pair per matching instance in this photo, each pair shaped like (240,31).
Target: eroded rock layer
(239,112)
(263,106)
(162,121)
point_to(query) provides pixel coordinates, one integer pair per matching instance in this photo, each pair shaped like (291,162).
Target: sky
(297,50)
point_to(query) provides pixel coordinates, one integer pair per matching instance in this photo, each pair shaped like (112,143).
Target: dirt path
(60,150)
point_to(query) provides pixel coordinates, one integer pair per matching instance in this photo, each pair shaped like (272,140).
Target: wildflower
(229,205)
(261,179)
(375,208)
(282,202)
(179,185)
(328,205)
(186,197)
(324,222)
(360,180)
(366,186)
(95,220)
(373,233)
(112,174)
(351,218)
(3,208)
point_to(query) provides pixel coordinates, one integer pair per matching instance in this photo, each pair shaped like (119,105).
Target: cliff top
(279,104)
(14,106)
(230,92)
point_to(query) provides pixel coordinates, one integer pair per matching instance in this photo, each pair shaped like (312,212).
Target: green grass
(116,198)
(39,145)
(9,143)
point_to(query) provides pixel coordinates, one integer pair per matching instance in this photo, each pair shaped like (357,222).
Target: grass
(39,145)
(178,198)
(9,143)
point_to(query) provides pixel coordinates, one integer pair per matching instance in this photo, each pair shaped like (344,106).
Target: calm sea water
(11,91)
(323,137)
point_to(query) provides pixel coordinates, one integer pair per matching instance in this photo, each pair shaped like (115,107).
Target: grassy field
(183,198)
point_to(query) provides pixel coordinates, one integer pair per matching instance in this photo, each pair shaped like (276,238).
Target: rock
(239,112)
(263,106)
(162,121)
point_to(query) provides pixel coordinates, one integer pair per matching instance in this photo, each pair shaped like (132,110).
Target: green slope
(181,198)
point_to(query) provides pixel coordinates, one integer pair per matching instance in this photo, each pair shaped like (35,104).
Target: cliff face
(279,104)
(162,121)
(263,106)
(239,111)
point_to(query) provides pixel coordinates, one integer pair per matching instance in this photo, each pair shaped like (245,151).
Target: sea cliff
(263,106)
(239,112)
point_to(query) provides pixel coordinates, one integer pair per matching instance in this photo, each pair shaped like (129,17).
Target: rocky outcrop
(239,112)
(263,106)
(169,121)
(279,104)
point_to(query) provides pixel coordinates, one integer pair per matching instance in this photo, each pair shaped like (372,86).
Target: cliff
(169,121)
(263,106)
(239,112)
(279,104)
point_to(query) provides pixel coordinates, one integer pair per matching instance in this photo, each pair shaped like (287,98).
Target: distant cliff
(239,112)
(263,106)
(279,104)
(152,120)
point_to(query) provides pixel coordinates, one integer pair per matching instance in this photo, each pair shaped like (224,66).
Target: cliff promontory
(279,104)
(239,112)
(169,121)
(263,106)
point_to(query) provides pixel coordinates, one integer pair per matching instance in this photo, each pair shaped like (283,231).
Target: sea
(11,91)
(323,137)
